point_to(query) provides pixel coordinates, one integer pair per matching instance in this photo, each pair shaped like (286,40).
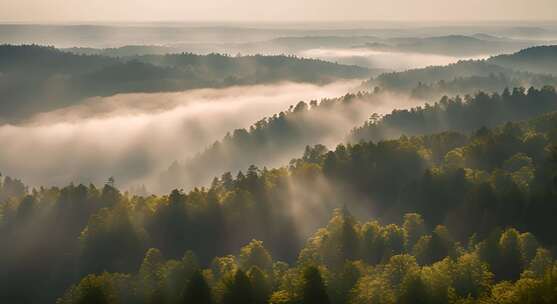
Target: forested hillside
(536,59)
(412,43)
(35,78)
(275,140)
(278,152)
(485,203)
(459,114)
(453,45)
(529,67)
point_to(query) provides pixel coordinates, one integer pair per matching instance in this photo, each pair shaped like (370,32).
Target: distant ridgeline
(448,45)
(534,66)
(476,218)
(35,78)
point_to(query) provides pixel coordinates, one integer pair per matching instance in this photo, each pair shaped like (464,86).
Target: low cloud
(133,136)
(382,59)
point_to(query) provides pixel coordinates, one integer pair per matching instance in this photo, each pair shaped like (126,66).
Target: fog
(383,60)
(280,139)
(132,136)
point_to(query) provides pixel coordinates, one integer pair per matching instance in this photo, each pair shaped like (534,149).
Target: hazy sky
(274,11)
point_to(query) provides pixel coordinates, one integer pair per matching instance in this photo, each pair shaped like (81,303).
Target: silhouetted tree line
(477,190)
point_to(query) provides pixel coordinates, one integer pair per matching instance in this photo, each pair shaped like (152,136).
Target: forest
(533,66)
(274,139)
(36,78)
(280,162)
(458,218)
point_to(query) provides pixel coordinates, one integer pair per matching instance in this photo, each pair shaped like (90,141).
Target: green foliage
(260,285)
(151,276)
(274,137)
(81,76)
(424,208)
(255,255)
(197,290)
(313,289)
(238,290)
(511,262)
(461,277)
(456,114)
(535,65)
(99,289)
(414,228)
(527,290)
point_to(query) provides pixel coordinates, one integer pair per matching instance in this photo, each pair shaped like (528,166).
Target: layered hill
(36,78)
(530,67)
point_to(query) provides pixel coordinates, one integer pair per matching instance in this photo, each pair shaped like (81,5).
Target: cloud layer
(134,136)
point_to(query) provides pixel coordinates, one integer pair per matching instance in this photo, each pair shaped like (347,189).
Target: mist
(132,136)
(274,141)
(397,61)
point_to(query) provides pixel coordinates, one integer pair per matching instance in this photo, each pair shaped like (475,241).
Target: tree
(414,229)
(238,289)
(397,268)
(394,240)
(441,244)
(260,285)
(541,263)
(254,254)
(341,284)
(373,245)
(348,236)
(371,289)
(197,290)
(528,247)
(151,274)
(92,290)
(111,226)
(413,289)
(313,288)
(471,276)
(422,250)
(511,263)
(105,288)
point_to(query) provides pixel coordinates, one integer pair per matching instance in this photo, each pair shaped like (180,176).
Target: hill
(275,140)
(457,114)
(425,194)
(453,45)
(530,67)
(541,59)
(35,78)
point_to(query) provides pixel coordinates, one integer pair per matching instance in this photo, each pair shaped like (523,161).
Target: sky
(64,11)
